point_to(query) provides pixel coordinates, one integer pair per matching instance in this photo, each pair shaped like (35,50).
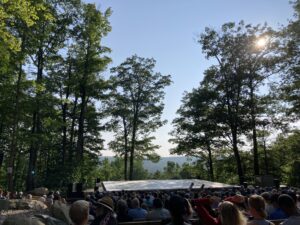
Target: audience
(136,212)
(158,212)
(229,214)
(288,205)
(233,206)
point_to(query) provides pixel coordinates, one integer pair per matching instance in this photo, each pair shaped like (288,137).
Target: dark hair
(122,206)
(286,201)
(157,203)
(274,198)
(177,209)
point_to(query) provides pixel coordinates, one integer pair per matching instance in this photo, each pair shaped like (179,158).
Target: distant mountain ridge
(159,166)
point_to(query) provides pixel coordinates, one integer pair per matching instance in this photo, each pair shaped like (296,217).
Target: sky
(168,30)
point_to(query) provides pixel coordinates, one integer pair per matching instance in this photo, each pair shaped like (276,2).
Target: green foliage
(45,73)
(135,105)
(54,101)
(290,84)
(284,157)
(110,170)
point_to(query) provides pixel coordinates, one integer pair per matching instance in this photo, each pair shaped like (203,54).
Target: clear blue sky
(167,30)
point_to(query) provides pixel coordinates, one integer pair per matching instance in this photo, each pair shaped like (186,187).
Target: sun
(262,42)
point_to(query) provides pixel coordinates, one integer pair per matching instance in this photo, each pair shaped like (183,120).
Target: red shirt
(203,213)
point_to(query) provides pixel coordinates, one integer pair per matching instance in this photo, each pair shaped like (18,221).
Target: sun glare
(262,42)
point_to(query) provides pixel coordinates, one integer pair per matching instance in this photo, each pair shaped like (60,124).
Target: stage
(148,185)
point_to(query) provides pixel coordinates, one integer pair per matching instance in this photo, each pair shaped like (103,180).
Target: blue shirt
(137,213)
(278,214)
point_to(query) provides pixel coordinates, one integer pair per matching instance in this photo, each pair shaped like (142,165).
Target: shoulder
(112,221)
(294,220)
(144,210)
(251,223)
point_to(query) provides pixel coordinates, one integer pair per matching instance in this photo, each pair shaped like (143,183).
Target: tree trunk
(64,118)
(15,125)
(1,158)
(1,146)
(72,131)
(32,157)
(134,129)
(36,127)
(15,128)
(237,155)
(253,126)
(80,140)
(125,149)
(211,169)
(266,159)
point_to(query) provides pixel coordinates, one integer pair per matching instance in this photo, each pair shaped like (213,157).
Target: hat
(107,202)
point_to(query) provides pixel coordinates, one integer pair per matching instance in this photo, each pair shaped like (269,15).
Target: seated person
(269,207)
(257,208)
(79,212)
(288,205)
(122,211)
(137,213)
(105,212)
(178,210)
(229,214)
(278,213)
(158,212)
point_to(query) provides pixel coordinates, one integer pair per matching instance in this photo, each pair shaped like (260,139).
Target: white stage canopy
(143,185)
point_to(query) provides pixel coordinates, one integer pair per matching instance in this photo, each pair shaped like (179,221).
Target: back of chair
(277,222)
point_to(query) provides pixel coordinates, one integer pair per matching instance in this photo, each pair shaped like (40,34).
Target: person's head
(122,206)
(157,203)
(266,196)
(135,203)
(257,206)
(230,214)
(177,209)
(104,206)
(274,200)
(79,212)
(287,204)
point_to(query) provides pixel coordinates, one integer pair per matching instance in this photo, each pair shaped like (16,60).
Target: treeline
(110,170)
(250,95)
(55,102)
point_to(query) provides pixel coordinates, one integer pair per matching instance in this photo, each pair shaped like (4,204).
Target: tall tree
(241,71)
(91,60)
(290,84)
(139,91)
(196,130)
(227,79)
(47,37)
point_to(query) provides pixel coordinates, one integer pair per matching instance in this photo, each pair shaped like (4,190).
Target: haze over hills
(153,167)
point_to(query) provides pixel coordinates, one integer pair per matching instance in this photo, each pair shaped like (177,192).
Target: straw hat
(107,202)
